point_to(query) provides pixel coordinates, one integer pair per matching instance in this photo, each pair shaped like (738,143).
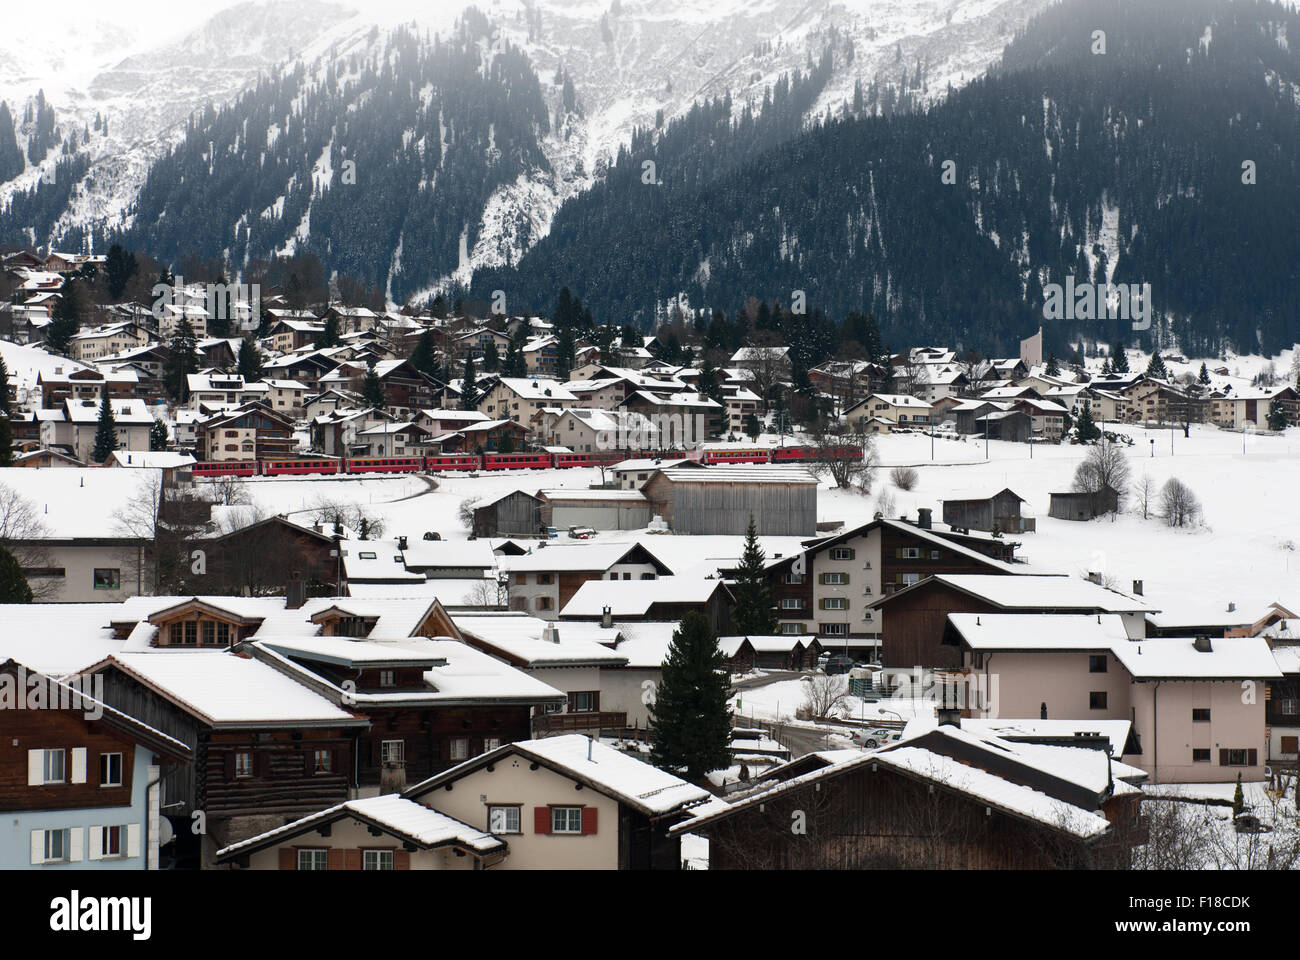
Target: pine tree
(467,397)
(752,426)
(372,390)
(1086,429)
(1156,368)
(755,611)
(1105,368)
(119,267)
(182,360)
(158,436)
(65,321)
(692,726)
(1053,368)
(424,358)
(330,335)
(564,349)
(1204,377)
(491,358)
(250,361)
(1238,799)
(13,586)
(106,431)
(1276,415)
(1119,358)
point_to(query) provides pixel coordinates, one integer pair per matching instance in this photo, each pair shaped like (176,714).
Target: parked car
(552,533)
(871,739)
(838,664)
(581,533)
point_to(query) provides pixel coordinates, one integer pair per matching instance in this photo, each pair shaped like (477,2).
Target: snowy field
(1244,551)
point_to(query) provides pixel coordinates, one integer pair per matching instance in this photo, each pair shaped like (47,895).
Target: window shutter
(846,579)
(230,765)
(38,842)
(821,603)
(133,839)
(96,844)
(1223,757)
(588,820)
(36,775)
(353,859)
(309,762)
(288,858)
(401,860)
(541,820)
(260,763)
(74,844)
(1252,757)
(336,858)
(853,554)
(78,764)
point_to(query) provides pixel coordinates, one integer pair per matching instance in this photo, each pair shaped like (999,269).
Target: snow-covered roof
(1039,631)
(83,634)
(781,643)
(537,387)
(1035,592)
(567,556)
(77,502)
(410,821)
(634,598)
(1115,731)
(126,413)
(374,560)
(742,473)
(449,553)
(522,638)
(158,459)
(577,493)
(223,689)
(1236,658)
(345,651)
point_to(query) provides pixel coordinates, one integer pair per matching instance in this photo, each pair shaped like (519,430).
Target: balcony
(583,720)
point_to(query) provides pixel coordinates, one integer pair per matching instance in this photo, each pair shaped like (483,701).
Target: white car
(873,738)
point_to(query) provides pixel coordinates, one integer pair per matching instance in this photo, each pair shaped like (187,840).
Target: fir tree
(1156,368)
(372,390)
(119,267)
(1086,429)
(1119,358)
(65,321)
(491,358)
(105,432)
(424,357)
(1105,368)
(1053,368)
(564,349)
(1238,799)
(6,426)
(330,335)
(250,361)
(755,610)
(182,360)
(13,586)
(752,426)
(1276,415)
(467,397)
(1204,377)
(158,436)
(692,726)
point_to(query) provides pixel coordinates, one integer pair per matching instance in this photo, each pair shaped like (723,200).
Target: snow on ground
(779,702)
(1245,551)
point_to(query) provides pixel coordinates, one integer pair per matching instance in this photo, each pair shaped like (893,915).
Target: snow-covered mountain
(630,62)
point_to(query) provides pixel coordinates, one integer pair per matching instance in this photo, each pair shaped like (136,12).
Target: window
(1097,663)
(934,554)
(367,555)
(110,769)
(377,860)
(1097,700)
(791,628)
(907,579)
(459,748)
(385,678)
(392,751)
(835,629)
(186,632)
(544,603)
(908,553)
(1289,745)
(566,819)
(835,603)
(503,819)
(58,845)
(1201,756)
(244,763)
(1237,758)
(791,603)
(110,839)
(794,578)
(209,631)
(491,743)
(582,702)
(545,578)
(1200,715)
(55,766)
(313,860)
(107,578)
(842,553)
(322,761)
(835,579)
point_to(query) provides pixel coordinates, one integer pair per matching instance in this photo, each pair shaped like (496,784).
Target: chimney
(606,617)
(392,777)
(1202,643)
(1094,576)
(1137,588)
(295,594)
(923,518)
(949,716)
(401,543)
(1232,607)
(551,633)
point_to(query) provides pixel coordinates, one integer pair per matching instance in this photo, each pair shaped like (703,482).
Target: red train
(443,462)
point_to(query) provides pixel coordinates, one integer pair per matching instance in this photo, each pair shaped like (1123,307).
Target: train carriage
(225,468)
(453,461)
(517,461)
(736,456)
(385,465)
(276,468)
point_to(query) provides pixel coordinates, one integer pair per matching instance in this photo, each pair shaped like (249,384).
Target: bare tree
(1104,474)
(486,594)
(1181,508)
(844,456)
(351,515)
(1144,489)
(767,361)
(904,478)
(824,695)
(23,534)
(229,491)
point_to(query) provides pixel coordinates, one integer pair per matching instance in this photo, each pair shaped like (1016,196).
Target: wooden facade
(1002,509)
(915,622)
(517,514)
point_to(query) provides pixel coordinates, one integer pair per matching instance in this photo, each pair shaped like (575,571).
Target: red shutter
(588,820)
(288,858)
(541,819)
(336,861)
(352,859)
(401,860)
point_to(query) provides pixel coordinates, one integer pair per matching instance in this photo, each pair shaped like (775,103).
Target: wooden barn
(1001,510)
(945,799)
(514,514)
(1076,505)
(721,500)
(779,652)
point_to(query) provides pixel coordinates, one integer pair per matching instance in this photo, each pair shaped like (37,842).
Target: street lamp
(1153,448)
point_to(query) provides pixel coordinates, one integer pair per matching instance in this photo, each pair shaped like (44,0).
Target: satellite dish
(165,834)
